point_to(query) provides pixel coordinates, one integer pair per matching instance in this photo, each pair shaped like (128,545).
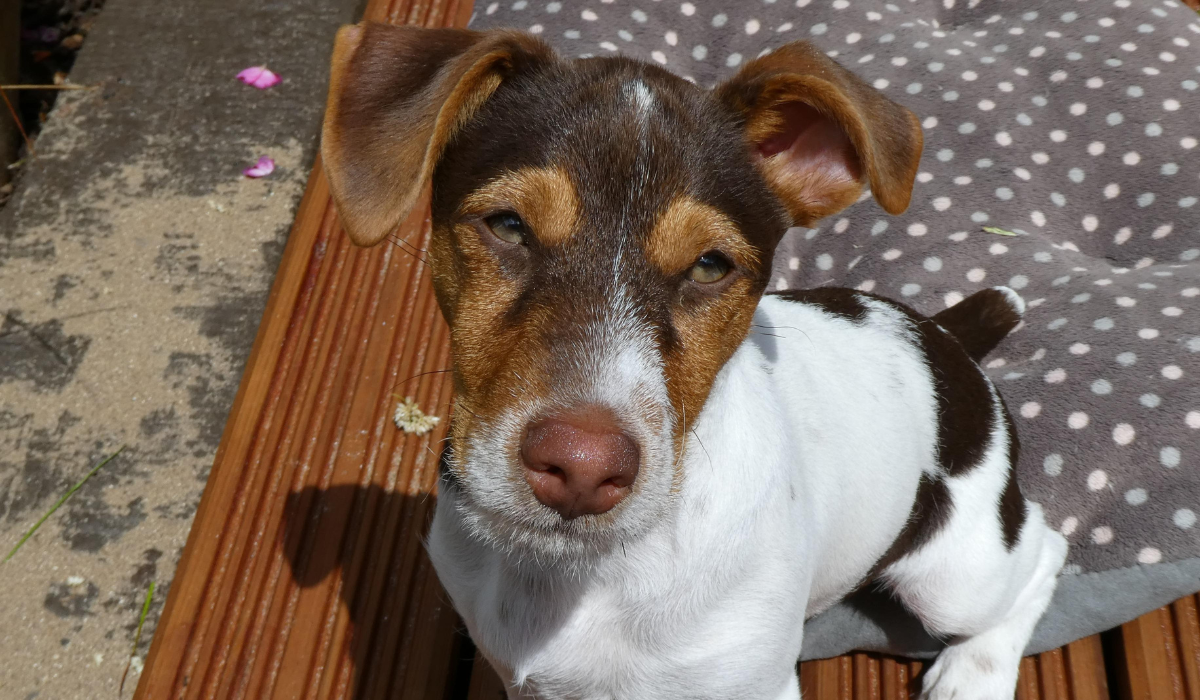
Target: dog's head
(602,233)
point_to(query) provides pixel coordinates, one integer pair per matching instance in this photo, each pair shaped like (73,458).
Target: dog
(657,471)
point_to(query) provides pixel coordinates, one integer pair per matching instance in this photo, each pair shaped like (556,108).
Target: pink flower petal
(260,77)
(249,75)
(264,166)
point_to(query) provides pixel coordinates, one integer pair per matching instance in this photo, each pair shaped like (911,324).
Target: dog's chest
(652,626)
(805,475)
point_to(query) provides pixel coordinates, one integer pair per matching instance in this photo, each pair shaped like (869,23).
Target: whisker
(683,446)
(706,454)
(408,248)
(422,374)
(775,328)
(460,405)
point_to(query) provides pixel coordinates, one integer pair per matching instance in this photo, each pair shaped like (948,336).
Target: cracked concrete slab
(135,262)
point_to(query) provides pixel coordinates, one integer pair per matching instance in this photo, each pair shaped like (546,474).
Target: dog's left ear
(818,132)
(397,95)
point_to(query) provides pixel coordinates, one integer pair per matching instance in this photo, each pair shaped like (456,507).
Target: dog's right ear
(396,97)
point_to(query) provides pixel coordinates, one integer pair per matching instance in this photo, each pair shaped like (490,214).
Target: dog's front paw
(970,671)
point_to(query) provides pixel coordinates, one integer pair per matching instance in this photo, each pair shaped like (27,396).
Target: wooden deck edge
(175,622)
(309,434)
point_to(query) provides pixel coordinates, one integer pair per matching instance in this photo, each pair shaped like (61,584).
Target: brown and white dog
(658,472)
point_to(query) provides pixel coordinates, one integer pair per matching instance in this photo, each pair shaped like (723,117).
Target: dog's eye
(710,267)
(508,227)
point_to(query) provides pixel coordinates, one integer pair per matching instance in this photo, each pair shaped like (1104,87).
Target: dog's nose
(579,464)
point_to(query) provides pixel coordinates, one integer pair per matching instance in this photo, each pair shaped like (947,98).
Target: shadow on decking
(355,533)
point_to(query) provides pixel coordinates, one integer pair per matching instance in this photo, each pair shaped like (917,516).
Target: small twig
(61,501)
(137,637)
(47,87)
(17,121)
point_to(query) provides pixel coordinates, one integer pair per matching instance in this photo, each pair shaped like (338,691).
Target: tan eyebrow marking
(687,230)
(544,197)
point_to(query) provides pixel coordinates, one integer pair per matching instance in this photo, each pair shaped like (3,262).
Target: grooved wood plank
(1161,653)
(1028,686)
(868,684)
(859,676)
(1074,672)
(1051,671)
(1087,677)
(304,575)
(1187,632)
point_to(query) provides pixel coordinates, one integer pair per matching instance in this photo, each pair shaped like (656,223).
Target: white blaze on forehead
(642,99)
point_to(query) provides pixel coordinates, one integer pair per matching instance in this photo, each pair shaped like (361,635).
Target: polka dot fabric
(1074,126)
(1062,158)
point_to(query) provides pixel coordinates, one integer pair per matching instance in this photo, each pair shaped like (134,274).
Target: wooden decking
(304,576)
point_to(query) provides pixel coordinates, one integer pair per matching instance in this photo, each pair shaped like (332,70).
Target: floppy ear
(819,133)
(397,95)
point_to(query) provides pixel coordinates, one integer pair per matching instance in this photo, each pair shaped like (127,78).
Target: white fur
(1013,298)
(798,476)
(642,98)
(645,108)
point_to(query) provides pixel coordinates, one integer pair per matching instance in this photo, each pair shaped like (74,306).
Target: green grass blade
(142,620)
(136,638)
(61,501)
(999,231)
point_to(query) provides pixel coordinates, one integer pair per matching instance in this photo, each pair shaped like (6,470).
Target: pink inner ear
(813,144)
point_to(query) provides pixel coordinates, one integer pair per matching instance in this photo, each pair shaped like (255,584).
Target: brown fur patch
(687,230)
(709,328)
(980,321)
(886,137)
(376,178)
(498,360)
(493,363)
(709,331)
(544,197)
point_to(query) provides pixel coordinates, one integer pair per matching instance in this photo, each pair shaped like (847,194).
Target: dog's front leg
(791,691)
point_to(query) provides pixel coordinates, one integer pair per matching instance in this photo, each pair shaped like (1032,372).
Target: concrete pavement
(135,262)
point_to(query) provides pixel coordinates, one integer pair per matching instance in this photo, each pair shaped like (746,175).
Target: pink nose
(579,464)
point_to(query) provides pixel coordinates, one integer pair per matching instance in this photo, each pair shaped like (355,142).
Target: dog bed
(1061,159)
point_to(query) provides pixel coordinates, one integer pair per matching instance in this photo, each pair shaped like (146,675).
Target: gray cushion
(1072,124)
